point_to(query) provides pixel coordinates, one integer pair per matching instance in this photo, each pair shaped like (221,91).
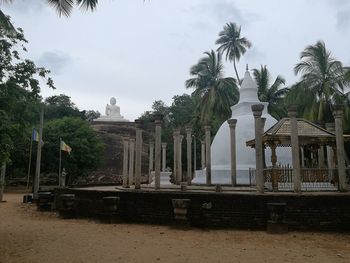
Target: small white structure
(112,113)
(245,156)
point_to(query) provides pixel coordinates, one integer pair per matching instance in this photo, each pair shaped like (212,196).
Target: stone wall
(223,210)
(111,134)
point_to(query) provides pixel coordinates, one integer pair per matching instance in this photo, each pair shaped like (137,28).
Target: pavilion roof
(308,133)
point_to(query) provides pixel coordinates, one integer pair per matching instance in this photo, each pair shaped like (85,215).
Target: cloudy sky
(140,51)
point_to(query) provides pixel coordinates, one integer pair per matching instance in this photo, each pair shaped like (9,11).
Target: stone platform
(239,207)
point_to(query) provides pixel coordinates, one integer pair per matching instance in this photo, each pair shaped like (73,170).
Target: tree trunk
(234,65)
(2,180)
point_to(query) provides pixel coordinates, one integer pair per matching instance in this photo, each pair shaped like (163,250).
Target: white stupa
(245,156)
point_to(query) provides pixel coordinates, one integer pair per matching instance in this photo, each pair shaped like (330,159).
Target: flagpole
(59,166)
(30,158)
(38,157)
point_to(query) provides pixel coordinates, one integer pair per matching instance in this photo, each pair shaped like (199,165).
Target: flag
(35,135)
(65,147)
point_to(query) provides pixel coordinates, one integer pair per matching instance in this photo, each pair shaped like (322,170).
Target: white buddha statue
(112,112)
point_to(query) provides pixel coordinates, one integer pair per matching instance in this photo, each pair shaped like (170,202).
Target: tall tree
(273,94)
(216,93)
(63,7)
(323,77)
(231,43)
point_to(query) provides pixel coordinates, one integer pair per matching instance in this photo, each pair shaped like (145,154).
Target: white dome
(245,130)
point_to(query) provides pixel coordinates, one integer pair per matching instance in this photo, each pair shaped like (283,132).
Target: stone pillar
(338,119)
(163,156)
(330,164)
(151,160)
(138,153)
(207,154)
(179,154)
(320,155)
(125,161)
(158,139)
(232,125)
(203,154)
(176,134)
(189,154)
(263,121)
(131,160)
(194,156)
(257,111)
(292,113)
(302,156)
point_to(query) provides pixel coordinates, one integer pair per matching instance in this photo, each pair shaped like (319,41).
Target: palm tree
(273,94)
(232,44)
(64,7)
(215,92)
(322,77)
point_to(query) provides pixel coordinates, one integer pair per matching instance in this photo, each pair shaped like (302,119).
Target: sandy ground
(30,236)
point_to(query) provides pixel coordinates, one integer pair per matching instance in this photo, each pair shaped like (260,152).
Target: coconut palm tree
(65,7)
(215,92)
(273,94)
(322,77)
(232,44)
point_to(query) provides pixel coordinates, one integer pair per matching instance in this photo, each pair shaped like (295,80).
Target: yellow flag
(65,147)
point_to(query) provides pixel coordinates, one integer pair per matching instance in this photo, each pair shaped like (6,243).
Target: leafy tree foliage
(86,147)
(215,92)
(273,94)
(19,92)
(231,43)
(61,106)
(323,79)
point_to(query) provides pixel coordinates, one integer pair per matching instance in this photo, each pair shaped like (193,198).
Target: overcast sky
(141,51)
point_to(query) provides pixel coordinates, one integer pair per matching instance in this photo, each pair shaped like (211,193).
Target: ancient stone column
(151,160)
(257,111)
(189,154)
(263,122)
(158,138)
(131,160)
(207,154)
(203,154)
(125,161)
(138,153)
(176,134)
(232,125)
(163,156)
(338,119)
(292,113)
(179,153)
(330,164)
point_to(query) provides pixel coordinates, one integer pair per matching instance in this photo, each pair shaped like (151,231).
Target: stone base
(277,227)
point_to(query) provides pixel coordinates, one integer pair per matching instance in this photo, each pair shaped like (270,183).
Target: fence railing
(312,179)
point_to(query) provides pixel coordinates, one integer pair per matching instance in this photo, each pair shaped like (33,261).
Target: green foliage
(231,43)
(19,92)
(86,147)
(323,79)
(273,94)
(214,93)
(61,106)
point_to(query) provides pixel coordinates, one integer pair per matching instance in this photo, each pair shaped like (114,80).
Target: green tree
(231,43)
(59,106)
(215,93)
(273,94)
(86,147)
(63,7)
(19,93)
(322,78)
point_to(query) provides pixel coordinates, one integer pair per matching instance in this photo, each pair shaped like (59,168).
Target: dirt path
(30,236)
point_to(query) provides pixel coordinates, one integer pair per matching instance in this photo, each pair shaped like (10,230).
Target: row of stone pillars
(292,113)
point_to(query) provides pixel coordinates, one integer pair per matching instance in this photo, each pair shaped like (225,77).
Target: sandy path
(30,236)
